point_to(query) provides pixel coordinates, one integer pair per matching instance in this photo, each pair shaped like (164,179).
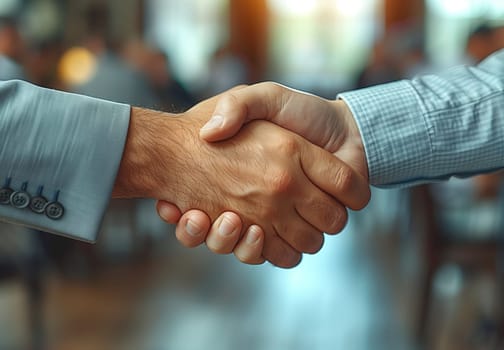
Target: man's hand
(328,124)
(268,175)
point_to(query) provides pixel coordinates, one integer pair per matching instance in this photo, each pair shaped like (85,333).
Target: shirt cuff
(394,132)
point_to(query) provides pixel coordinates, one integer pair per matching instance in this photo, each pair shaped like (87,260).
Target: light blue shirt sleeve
(433,127)
(63,146)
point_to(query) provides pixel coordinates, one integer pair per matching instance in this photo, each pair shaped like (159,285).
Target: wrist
(138,175)
(353,140)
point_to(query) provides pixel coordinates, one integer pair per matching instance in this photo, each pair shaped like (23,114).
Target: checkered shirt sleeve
(433,127)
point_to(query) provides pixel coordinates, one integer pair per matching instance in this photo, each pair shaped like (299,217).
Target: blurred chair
(457,227)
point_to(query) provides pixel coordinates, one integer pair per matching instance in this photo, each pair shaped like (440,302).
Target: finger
(278,252)
(168,212)
(237,107)
(249,249)
(300,235)
(323,212)
(224,233)
(192,228)
(335,177)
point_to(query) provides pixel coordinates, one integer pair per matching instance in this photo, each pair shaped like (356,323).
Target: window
(189,31)
(315,45)
(320,45)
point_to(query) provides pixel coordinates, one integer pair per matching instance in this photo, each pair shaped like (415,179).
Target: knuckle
(275,88)
(326,210)
(288,145)
(330,217)
(284,143)
(265,209)
(281,182)
(239,87)
(229,99)
(338,221)
(344,178)
(307,240)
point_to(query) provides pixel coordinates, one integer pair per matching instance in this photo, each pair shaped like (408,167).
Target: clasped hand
(266,193)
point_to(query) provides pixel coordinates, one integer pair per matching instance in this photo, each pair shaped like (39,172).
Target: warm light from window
(455,8)
(310,7)
(497,4)
(354,7)
(294,7)
(77,66)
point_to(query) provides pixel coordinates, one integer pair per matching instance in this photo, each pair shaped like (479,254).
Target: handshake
(264,178)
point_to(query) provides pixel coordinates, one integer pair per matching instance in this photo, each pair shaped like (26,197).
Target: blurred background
(419,268)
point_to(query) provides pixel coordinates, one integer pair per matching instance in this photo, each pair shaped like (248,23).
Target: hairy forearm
(149,134)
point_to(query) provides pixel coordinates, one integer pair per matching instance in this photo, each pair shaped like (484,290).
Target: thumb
(223,125)
(239,106)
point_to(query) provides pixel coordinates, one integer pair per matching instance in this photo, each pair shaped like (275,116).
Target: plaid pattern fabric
(435,126)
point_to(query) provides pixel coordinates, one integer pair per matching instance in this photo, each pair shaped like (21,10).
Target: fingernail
(226,227)
(214,123)
(192,228)
(164,212)
(252,235)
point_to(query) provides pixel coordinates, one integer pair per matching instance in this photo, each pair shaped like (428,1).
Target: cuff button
(38,204)
(5,194)
(54,211)
(20,199)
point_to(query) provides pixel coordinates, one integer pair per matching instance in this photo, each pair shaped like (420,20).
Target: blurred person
(155,65)
(382,65)
(412,58)
(42,63)
(481,43)
(11,50)
(112,78)
(227,69)
(499,36)
(398,134)
(64,155)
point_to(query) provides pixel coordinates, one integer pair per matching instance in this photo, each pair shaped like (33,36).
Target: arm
(271,176)
(435,126)
(64,147)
